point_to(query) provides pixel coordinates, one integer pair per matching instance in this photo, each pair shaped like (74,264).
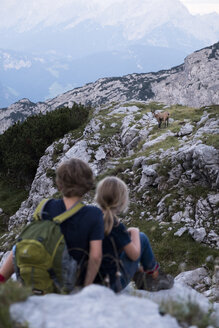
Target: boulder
(185,130)
(199,234)
(149,175)
(193,277)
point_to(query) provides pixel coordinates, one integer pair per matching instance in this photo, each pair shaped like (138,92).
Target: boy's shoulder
(92,210)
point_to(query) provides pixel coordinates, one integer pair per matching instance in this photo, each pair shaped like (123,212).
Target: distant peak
(24,101)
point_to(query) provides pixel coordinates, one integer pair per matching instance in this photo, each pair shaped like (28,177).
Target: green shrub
(11,292)
(28,140)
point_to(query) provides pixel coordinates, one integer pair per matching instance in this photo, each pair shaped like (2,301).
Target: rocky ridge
(172,173)
(194,83)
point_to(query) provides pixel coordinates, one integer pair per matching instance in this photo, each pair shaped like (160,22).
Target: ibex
(161,117)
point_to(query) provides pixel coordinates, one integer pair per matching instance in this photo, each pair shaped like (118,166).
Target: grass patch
(197,192)
(137,117)
(169,248)
(106,110)
(170,199)
(182,112)
(50,173)
(156,132)
(118,171)
(213,109)
(11,292)
(76,134)
(137,104)
(164,168)
(109,131)
(175,126)
(211,140)
(145,107)
(169,142)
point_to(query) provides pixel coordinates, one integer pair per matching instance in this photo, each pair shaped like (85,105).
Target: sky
(30,12)
(26,14)
(201,6)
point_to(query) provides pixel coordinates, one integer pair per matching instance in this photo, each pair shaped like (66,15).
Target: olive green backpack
(41,258)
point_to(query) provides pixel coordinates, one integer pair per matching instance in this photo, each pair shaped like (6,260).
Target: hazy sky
(25,14)
(201,6)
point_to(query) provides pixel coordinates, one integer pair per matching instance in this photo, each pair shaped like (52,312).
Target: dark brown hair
(74,178)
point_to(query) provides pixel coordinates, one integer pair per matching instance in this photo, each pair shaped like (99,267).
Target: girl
(127,253)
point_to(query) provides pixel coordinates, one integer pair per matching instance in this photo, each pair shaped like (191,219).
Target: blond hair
(74,178)
(113,197)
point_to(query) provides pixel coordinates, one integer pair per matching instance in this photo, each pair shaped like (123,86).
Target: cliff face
(195,83)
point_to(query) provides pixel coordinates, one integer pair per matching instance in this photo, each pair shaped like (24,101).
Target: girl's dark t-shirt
(113,245)
(84,226)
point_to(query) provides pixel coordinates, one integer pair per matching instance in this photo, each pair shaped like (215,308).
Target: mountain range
(193,83)
(45,54)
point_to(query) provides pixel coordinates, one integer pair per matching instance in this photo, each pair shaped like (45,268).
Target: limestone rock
(185,130)
(100,154)
(79,150)
(149,175)
(199,234)
(176,218)
(180,232)
(192,277)
(94,306)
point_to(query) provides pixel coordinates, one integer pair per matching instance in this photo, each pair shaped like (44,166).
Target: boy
(84,231)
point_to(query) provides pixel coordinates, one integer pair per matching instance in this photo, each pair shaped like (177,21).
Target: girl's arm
(95,258)
(133,249)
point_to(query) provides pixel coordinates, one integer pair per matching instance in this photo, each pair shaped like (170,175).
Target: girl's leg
(130,267)
(147,258)
(152,278)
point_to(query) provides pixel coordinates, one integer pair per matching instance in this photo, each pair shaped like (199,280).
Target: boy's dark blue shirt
(84,226)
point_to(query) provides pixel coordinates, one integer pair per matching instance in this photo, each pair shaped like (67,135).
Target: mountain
(193,83)
(173,178)
(96,25)
(45,76)
(67,45)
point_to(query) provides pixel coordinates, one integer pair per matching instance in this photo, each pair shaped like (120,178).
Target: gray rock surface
(97,306)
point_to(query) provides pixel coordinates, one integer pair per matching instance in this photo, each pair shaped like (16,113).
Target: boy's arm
(95,258)
(7,268)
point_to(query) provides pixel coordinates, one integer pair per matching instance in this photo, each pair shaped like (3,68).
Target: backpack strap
(38,211)
(59,218)
(67,214)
